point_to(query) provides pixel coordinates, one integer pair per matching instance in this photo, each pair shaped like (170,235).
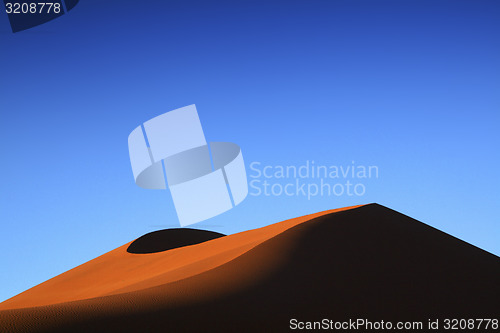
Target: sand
(356,262)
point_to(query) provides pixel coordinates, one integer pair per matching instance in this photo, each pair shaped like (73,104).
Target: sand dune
(357,262)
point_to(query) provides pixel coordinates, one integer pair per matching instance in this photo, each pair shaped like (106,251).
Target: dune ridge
(119,271)
(358,262)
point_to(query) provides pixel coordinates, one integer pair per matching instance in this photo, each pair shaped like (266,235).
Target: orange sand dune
(119,271)
(357,262)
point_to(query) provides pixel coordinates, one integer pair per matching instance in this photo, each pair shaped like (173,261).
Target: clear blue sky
(409,86)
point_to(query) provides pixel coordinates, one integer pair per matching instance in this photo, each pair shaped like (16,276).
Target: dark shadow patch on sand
(168,239)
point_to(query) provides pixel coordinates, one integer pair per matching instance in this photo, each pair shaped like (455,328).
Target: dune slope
(362,262)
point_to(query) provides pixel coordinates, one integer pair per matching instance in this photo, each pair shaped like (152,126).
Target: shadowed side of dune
(369,262)
(168,239)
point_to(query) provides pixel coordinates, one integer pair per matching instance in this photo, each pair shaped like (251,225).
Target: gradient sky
(409,86)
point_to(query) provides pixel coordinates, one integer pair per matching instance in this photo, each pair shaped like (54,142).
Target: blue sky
(409,86)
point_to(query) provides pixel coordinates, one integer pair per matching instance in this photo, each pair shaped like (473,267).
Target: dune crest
(120,271)
(357,262)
